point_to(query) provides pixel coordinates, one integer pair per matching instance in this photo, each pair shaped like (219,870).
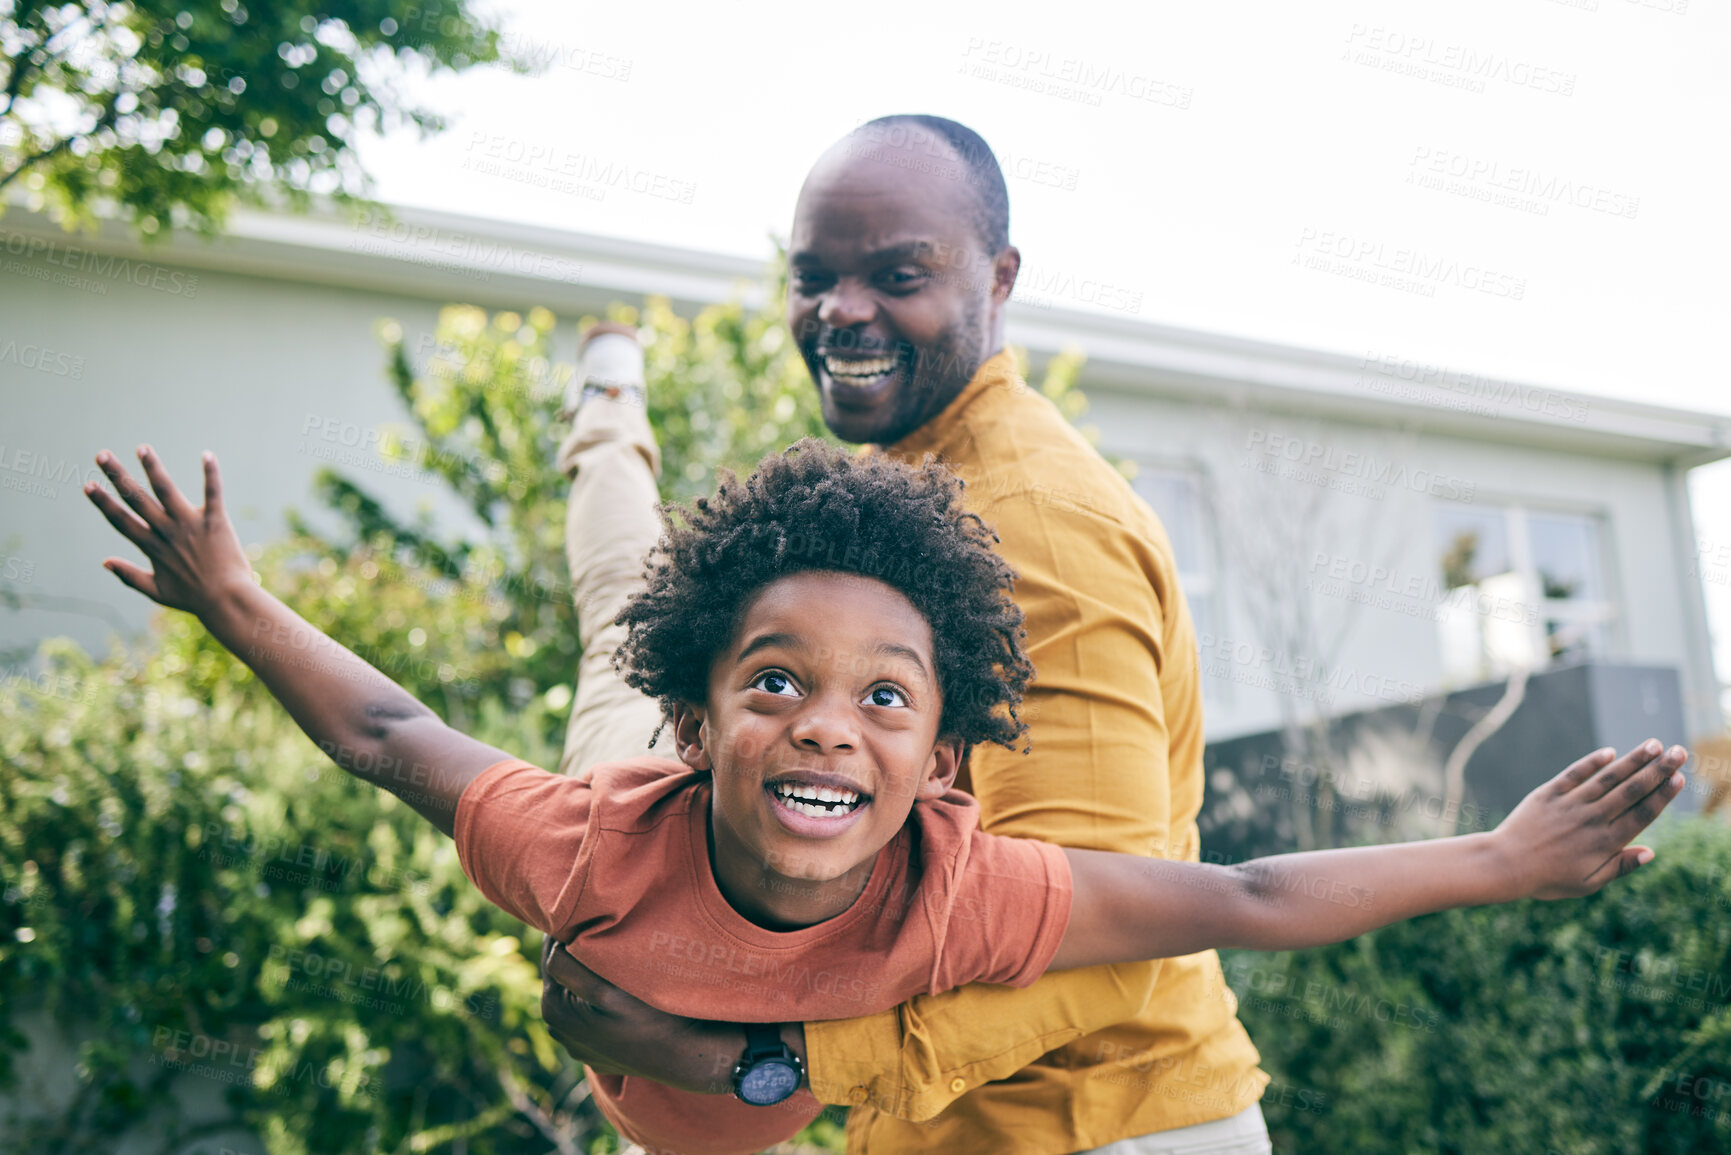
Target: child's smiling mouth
(816,805)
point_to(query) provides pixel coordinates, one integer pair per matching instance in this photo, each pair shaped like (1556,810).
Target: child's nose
(826,725)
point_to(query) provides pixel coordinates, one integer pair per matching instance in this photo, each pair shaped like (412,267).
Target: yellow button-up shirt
(1089,1056)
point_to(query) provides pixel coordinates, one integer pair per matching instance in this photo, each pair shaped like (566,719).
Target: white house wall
(1392,649)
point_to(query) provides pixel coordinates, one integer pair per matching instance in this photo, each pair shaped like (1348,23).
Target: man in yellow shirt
(900,269)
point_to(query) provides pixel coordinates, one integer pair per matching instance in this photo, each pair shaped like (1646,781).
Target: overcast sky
(1563,161)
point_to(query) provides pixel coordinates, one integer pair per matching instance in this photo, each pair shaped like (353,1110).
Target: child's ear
(689,733)
(941,768)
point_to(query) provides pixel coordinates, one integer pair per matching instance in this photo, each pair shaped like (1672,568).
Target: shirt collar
(997,370)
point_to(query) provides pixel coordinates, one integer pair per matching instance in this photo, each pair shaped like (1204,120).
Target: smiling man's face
(891,297)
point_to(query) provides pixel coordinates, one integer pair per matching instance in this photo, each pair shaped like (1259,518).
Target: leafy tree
(174,109)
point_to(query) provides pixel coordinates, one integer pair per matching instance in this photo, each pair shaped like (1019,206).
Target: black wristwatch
(769,1071)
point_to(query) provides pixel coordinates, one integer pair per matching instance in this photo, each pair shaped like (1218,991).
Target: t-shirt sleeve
(1011,907)
(518,832)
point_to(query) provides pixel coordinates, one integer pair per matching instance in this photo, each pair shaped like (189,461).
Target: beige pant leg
(610,526)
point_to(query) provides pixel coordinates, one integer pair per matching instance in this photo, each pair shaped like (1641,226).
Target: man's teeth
(812,800)
(858,369)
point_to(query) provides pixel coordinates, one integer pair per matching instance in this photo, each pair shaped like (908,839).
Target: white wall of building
(263,349)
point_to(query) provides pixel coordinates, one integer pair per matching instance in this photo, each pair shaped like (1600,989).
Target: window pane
(1472,545)
(1566,555)
(1175,499)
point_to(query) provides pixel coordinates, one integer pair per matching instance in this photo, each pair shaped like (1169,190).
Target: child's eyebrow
(768,641)
(896,649)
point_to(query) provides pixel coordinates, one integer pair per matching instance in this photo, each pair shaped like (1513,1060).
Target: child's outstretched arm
(1567,838)
(368,724)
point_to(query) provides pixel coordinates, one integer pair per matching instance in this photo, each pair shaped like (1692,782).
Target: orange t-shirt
(616,866)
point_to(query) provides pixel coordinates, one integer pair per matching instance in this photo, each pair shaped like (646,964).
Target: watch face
(768,1082)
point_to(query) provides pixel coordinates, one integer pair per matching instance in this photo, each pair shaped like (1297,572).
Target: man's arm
(1567,838)
(365,722)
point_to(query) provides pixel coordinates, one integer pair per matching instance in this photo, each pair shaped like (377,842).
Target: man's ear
(1005,269)
(941,769)
(689,735)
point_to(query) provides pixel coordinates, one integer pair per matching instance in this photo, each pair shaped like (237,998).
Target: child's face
(827,686)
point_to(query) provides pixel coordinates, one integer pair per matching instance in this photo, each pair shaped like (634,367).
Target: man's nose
(845,305)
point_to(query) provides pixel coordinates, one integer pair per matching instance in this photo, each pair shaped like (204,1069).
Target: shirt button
(958,1085)
(858,1094)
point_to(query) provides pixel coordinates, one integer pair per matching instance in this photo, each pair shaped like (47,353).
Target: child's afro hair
(814,507)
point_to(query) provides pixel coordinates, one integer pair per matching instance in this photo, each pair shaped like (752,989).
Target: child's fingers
(1639,816)
(1582,769)
(141,580)
(1626,860)
(174,502)
(1617,772)
(213,510)
(131,491)
(135,531)
(1641,783)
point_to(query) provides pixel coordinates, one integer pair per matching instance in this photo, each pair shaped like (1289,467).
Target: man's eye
(902,278)
(775,683)
(886,696)
(810,282)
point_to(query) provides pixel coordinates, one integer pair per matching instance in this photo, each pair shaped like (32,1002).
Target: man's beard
(939,373)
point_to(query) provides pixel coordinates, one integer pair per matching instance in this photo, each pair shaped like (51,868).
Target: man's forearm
(344,704)
(1316,897)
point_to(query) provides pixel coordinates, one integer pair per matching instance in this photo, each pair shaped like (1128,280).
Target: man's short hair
(984,178)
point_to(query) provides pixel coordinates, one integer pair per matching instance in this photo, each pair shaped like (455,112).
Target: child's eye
(774,683)
(886,696)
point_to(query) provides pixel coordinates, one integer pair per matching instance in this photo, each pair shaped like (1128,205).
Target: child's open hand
(1570,837)
(195,553)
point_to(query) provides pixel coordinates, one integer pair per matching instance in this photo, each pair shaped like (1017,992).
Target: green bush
(1599,1025)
